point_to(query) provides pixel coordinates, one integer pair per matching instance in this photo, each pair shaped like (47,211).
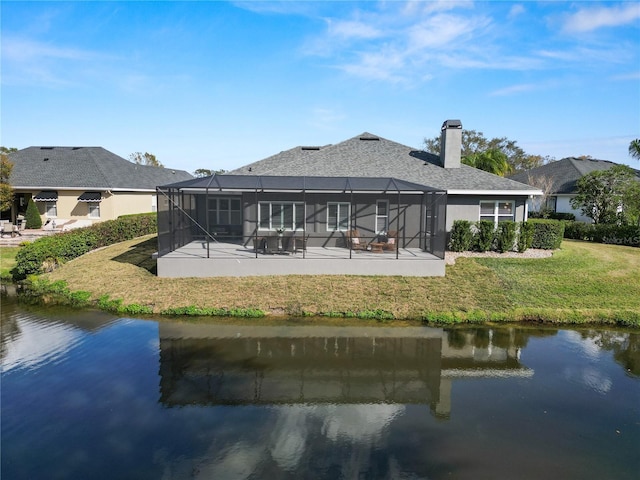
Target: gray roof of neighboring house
(565,173)
(368,155)
(85,168)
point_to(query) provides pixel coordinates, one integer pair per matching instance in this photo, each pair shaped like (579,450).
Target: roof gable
(85,168)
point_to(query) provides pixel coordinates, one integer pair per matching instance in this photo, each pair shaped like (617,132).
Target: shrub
(506,236)
(616,234)
(525,236)
(461,236)
(562,216)
(547,234)
(60,248)
(32,216)
(578,230)
(484,235)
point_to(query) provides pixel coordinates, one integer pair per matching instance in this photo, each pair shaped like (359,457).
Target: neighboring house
(84,184)
(319,195)
(561,179)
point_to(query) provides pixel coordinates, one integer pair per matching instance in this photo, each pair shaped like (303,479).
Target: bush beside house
(46,253)
(509,236)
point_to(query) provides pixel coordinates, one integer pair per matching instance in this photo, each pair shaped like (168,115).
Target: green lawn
(581,275)
(581,282)
(7,260)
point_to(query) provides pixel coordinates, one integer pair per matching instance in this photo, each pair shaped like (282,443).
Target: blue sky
(221,84)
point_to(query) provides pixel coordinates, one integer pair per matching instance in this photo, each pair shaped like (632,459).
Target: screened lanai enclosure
(242,225)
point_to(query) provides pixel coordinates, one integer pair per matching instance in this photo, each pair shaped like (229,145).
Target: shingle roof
(565,173)
(368,155)
(85,168)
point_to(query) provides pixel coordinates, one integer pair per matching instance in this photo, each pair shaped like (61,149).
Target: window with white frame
(281,215)
(382,216)
(497,211)
(338,216)
(94,209)
(225,211)
(51,209)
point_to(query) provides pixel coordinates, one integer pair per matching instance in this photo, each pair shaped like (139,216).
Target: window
(278,215)
(338,216)
(94,209)
(225,211)
(497,211)
(550,204)
(382,216)
(51,209)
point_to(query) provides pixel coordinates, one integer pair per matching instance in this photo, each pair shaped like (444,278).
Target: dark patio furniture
(355,241)
(391,242)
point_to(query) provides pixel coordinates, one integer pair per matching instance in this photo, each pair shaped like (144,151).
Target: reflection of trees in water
(502,337)
(625,347)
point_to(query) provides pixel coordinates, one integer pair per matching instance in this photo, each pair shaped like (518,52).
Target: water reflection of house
(230,365)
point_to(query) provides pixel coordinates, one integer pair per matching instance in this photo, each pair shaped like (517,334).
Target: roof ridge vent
(46,148)
(309,148)
(370,138)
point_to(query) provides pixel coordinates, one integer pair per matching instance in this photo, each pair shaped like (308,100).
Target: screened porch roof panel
(251,183)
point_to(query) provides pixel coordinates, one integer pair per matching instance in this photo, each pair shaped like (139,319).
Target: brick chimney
(451,143)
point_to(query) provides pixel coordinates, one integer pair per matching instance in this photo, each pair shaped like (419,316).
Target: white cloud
(514,89)
(444,30)
(352,29)
(589,19)
(21,50)
(516,10)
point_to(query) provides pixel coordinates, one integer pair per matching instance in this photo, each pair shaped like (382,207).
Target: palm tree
(634,149)
(492,161)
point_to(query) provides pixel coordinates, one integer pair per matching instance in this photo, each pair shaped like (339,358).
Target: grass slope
(7,261)
(581,282)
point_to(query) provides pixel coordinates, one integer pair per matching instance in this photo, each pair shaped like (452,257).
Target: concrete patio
(199,259)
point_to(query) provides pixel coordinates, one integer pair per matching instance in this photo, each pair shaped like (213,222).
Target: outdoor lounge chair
(259,244)
(354,240)
(392,240)
(297,243)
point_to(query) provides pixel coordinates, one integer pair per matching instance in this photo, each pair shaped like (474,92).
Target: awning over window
(46,196)
(90,197)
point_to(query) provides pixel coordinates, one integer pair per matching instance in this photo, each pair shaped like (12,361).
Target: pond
(88,395)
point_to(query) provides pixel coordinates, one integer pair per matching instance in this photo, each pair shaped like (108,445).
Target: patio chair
(297,243)
(392,240)
(259,244)
(354,240)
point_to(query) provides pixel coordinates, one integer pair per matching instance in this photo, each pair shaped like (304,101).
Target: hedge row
(46,253)
(603,233)
(508,236)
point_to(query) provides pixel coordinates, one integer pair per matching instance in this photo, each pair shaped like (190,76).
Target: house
(560,180)
(84,184)
(308,203)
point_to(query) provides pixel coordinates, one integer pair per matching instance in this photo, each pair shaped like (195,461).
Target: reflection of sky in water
(109,419)
(587,373)
(36,343)
(290,436)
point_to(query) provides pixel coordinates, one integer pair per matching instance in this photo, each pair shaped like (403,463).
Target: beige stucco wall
(112,206)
